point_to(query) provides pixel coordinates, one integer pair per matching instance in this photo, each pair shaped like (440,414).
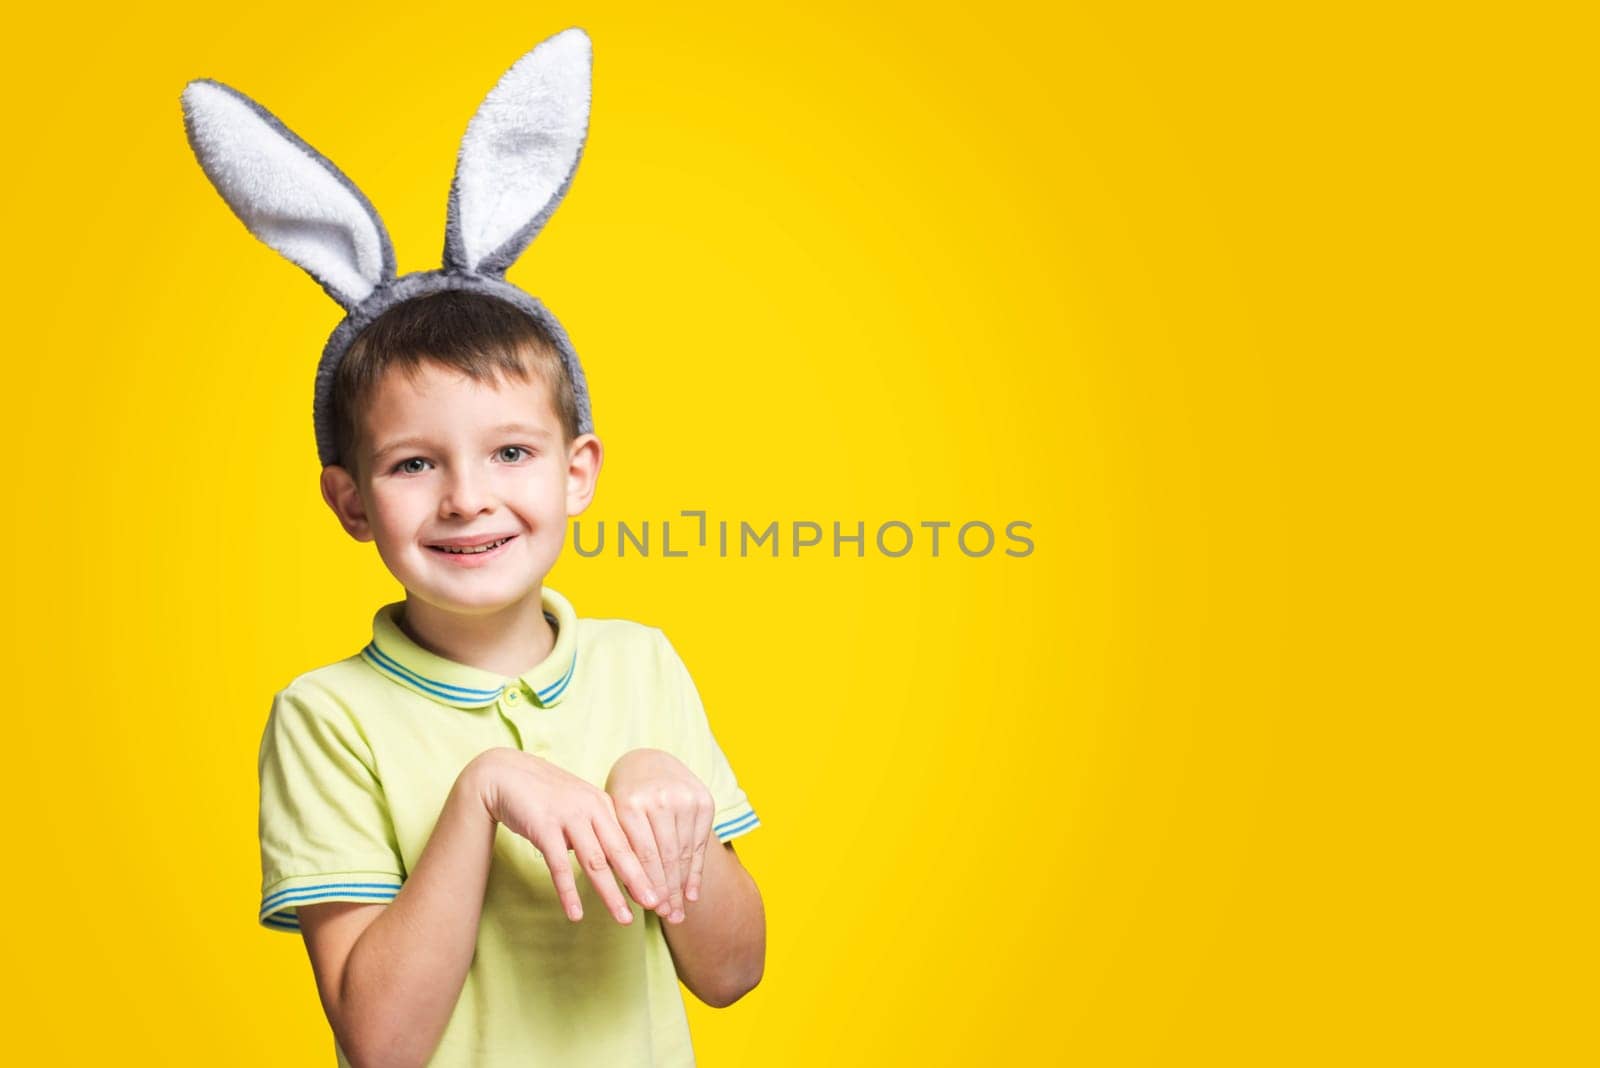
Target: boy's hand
(666,812)
(556,810)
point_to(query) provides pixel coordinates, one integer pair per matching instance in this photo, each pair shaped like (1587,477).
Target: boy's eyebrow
(522,428)
(505,428)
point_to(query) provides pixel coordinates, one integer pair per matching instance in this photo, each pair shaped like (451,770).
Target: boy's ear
(339,490)
(584,457)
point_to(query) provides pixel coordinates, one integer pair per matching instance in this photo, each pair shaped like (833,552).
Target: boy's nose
(465,495)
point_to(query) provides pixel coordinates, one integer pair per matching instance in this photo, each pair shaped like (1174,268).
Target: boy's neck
(509,642)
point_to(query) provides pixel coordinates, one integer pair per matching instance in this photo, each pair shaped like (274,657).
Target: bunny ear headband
(516,161)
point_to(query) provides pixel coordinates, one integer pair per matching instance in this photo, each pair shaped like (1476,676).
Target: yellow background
(1275,322)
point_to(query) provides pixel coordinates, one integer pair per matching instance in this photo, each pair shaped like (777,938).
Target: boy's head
(459,450)
(452,370)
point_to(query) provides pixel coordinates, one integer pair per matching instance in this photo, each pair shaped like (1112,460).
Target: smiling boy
(419,799)
(445,814)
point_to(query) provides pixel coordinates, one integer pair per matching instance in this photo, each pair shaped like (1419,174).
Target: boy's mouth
(471,550)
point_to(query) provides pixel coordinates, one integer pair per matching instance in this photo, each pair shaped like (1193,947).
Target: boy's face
(446,461)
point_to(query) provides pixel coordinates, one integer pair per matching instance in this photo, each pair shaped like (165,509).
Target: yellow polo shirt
(356,762)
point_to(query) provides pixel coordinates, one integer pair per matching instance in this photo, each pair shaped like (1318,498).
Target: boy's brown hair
(478,335)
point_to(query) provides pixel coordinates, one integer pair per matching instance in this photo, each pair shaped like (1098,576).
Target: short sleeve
(326,834)
(697,747)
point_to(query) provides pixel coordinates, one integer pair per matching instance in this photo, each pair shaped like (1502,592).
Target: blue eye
(513,448)
(401,466)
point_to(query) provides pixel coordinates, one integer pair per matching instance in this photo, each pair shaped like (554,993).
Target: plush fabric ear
(519,154)
(287,193)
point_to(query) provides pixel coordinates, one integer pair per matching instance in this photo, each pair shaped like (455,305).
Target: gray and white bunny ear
(287,193)
(519,154)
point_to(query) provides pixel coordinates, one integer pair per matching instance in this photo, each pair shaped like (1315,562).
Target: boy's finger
(551,845)
(703,841)
(626,861)
(684,820)
(593,860)
(666,832)
(644,846)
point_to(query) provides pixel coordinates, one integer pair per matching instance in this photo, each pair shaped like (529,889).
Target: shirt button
(512,696)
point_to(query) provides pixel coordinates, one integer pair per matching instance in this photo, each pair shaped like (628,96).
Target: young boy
(445,815)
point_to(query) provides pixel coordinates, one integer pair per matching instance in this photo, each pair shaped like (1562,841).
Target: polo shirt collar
(395,655)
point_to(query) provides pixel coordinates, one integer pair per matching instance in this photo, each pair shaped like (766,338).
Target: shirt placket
(521,712)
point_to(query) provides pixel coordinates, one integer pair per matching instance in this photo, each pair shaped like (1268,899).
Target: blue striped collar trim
(393,654)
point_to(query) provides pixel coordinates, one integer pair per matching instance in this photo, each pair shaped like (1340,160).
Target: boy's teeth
(472,549)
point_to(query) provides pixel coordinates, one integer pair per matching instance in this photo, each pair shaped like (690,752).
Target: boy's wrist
(480,779)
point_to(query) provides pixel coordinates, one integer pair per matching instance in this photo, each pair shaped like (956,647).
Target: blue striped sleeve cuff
(280,903)
(735,822)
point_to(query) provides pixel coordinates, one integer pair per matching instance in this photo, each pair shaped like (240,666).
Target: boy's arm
(389,975)
(720,947)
